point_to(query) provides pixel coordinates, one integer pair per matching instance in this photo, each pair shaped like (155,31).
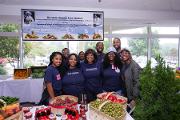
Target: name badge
(58,77)
(117,70)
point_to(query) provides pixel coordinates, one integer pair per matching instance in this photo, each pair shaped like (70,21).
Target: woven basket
(114,94)
(10,109)
(96,114)
(17,116)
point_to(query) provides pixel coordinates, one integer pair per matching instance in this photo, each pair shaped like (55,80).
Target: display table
(33,109)
(29,90)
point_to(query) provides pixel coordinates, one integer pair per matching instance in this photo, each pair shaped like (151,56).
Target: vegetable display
(109,108)
(9,100)
(113,97)
(8,106)
(38,71)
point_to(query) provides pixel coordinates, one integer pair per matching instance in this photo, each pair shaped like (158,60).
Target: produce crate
(109,96)
(20,74)
(17,116)
(38,71)
(10,110)
(96,114)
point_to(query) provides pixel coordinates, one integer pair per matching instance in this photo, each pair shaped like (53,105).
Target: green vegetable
(96,103)
(9,100)
(111,109)
(114,110)
(2,104)
(38,73)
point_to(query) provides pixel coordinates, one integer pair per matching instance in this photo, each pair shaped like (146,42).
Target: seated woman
(130,76)
(73,81)
(52,78)
(111,72)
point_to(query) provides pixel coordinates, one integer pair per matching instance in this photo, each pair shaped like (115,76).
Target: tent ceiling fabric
(117,12)
(167,5)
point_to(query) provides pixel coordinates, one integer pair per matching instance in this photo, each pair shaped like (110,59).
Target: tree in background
(173,52)
(139,46)
(9,48)
(160,99)
(2,70)
(9,27)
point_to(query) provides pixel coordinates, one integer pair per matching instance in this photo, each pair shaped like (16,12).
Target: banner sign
(62,25)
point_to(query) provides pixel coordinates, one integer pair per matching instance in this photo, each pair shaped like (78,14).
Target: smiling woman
(73,81)
(92,69)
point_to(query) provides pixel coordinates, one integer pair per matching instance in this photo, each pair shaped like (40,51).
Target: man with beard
(65,53)
(117,45)
(99,50)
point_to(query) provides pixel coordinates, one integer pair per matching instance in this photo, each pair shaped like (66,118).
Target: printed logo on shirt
(117,70)
(72,73)
(91,69)
(58,77)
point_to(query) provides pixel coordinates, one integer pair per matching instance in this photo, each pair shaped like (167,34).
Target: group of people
(92,72)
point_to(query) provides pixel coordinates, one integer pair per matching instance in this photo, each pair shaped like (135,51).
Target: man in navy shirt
(99,49)
(117,45)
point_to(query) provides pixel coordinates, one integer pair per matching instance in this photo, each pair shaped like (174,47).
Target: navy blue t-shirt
(92,74)
(73,82)
(101,57)
(52,75)
(111,79)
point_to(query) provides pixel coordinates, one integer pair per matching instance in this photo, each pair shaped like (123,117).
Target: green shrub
(2,70)
(160,99)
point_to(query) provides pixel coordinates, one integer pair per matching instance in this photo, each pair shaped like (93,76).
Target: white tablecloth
(29,90)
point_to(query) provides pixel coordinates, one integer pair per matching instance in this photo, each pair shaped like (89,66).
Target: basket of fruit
(106,110)
(20,74)
(60,103)
(113,97)
(8,106)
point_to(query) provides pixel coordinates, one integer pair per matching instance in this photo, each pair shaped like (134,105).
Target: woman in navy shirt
(73,81)
(92,72)
(111,72)
(52,78)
